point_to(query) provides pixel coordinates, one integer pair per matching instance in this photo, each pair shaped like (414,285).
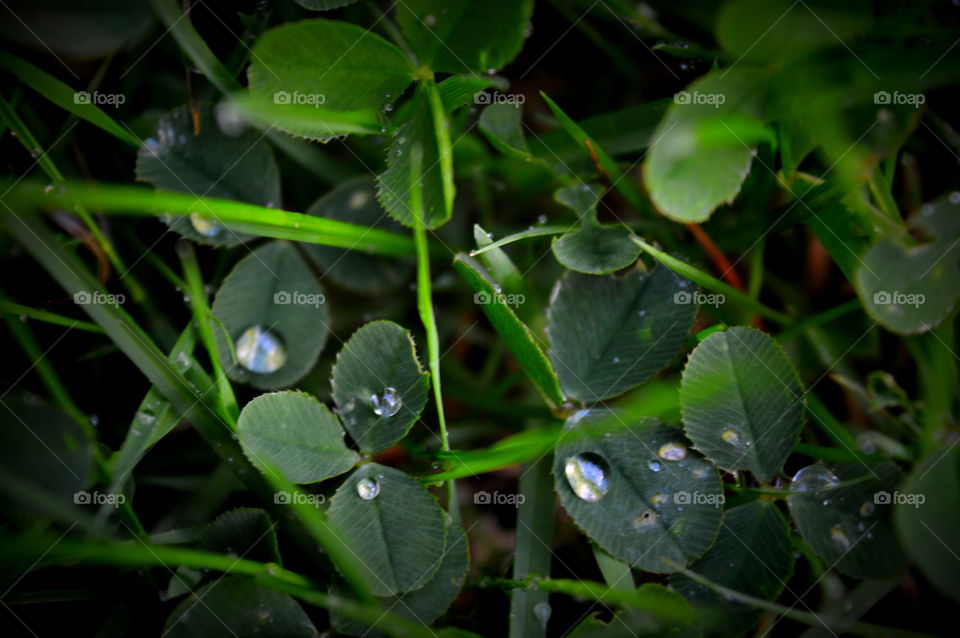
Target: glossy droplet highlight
(654,466)
(586,476)
(386,404)
(672,452)
(368,488)
(813,478)
(731,437)
(261,351)
(867,508)
(542,611)
(658,499)
(204,225)
(838,536)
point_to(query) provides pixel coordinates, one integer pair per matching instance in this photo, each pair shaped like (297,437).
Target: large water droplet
(646,520)
(204,225)
(368,488)
(586,476)
(672,452)
(386,404)
(838,536)
(813,478)
(261,351)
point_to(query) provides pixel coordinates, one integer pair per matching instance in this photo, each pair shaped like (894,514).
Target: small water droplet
(204,225)
(586,476)
(672,452)
(542,219)
(731,437)
(368,488)
(646,520)
(654,466)
(838,536)
(387,404)
(955,197)
(261,351)
(867,508)
(542,611)
(431,20)
(658,499)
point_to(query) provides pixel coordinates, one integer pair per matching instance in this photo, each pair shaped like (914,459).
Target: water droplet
(672,452)
(388,107)
(701,471)
(867,508)
(586,476)
(431,20)
(646,520)
(368,488)
(658,499)
(94,420)
(542,219)
(616,359)
(731,437)
(204,225)
(955,197)
(542,611)
(654,466)
(813,479)
(838,536)
(387,404)
(261,351)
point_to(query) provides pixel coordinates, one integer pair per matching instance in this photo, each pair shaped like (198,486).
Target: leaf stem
(532,551)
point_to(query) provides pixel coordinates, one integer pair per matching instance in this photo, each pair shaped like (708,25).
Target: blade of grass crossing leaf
(620,182)
(533,553)
(65,97)
(25,312)
(239,216)
(523,234)
(711,283)
(204,319)
(425,308)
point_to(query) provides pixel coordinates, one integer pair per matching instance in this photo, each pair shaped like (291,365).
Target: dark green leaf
(334,65)
(592,248)
(470,35)
(208,164)
(927,517)
(378,385)
(609,334)
(636,489)
(275,314)
(848,525)
(245,532)
(239,607)
(355,202)
(296,434)
(633,623)
(392,525)
(501,124)
(911,287)
(753,555)
(742,401)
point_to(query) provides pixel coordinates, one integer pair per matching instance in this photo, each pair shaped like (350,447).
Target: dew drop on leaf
(658,499)
(204,225)
(838,536)
(654,466)
(261,351)
(731,437)
(542,611)
(586,476)
(368,488)
(813,478)
(386,404)
(672,452)
(867,508)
